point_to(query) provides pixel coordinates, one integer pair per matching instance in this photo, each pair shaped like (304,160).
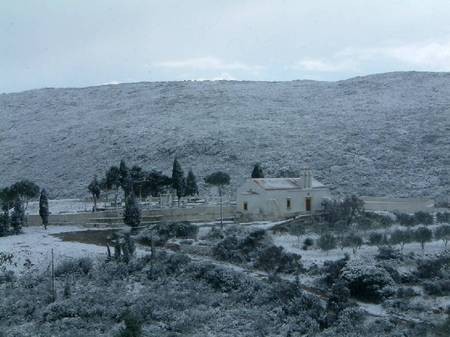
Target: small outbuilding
(278,198)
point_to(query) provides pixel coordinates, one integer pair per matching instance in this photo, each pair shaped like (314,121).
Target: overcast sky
(63,43)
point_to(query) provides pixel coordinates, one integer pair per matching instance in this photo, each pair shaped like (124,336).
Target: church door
(308,204)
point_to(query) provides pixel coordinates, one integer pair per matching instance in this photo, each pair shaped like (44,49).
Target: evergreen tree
(124,178)
(137,177)
(178,181)
(257,171)
(132,213)
(327,242)
(43,208)
(191,184)
(18,216)
(94,188)
(112,181)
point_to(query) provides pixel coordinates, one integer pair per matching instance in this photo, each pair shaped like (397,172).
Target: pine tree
(132,213)
(191,184)
(18,216)
(43,208)
(257,171)
(178,181)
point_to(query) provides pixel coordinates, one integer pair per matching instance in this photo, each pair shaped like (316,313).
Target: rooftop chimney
(307,178)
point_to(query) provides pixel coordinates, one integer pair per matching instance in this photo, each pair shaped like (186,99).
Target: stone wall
(195,214)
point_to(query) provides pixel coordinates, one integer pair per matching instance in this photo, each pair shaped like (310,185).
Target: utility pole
(53,279)
(221,208)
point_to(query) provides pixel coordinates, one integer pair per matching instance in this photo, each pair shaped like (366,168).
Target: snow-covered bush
(332,270)
(437,287)
(72,266)
(432,267)
(366,282)
(274,259)
(387,253)
(406,292)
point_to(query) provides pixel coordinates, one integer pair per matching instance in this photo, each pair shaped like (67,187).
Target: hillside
(386,134)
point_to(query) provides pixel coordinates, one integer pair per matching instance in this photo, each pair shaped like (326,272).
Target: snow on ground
(35,245)
(318,256)
(63,206)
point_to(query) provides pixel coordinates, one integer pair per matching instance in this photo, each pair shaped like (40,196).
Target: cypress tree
(94,188)
(191,184)
(178,181)
(124,178)
(132,213)
(257,171)
(43,208)
(18,216)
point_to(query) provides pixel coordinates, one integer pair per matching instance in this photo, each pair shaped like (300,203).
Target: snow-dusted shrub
(215,234)
(274,259)
(107,272)
(7,276)
(337,302)
(432,267)
(183,230)
(71,266)
(148,235)
(437,287)
(365,281)
(406,292)
(307,243)
(387,253)
(241,249)
(332,270)
(228,250)
(375,238)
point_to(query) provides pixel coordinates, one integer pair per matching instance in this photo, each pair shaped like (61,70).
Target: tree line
(143,183)
(135,181)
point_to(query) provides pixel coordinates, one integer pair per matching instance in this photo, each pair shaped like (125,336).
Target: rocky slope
(386,134)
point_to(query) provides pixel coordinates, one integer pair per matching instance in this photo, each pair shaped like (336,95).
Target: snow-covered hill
(386,134)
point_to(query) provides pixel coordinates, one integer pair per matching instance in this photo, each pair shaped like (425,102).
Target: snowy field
(32,249)
(318,256)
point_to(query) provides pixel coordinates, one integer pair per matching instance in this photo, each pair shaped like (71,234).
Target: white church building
(278,198)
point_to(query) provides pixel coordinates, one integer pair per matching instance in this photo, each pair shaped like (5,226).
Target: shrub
(327,242)
(366,282)
(352,240)
(428,268)
(443,217)
(307,243)
(405,219)
(183,230)
(375,238)
(82,265)
(274,259)
(228,250)
(406,292)
(133,327)
(387,253)
(437,287)
(423,218)
(332,269)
